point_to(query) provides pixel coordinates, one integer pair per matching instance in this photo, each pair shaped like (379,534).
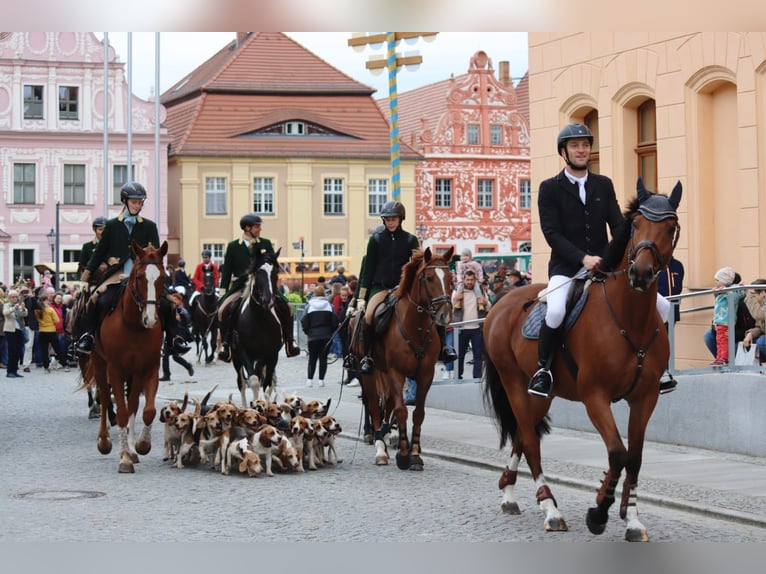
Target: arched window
(591,121)
(646,145)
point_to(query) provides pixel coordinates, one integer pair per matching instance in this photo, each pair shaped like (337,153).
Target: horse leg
(104,442)
(418,414)
(373,406)
(639,417)
(126,463)
(403,453)
(144,442)
(600,413)
(507,482)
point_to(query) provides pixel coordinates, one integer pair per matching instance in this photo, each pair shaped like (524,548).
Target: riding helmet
(572,131)
(250,219)
(181,263)
(132,190)
(99,222)
(207,253)
(393,209)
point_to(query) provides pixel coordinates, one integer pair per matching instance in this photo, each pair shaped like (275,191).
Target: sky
(448,53)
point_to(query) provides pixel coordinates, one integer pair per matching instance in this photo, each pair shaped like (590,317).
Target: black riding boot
(447,353)
(367,366)
(165,362)
(282,308)
(226,330)
(89,325)
(172,327)
(541,383)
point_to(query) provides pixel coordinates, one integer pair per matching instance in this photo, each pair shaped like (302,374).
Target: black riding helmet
(250,219)
(207,253)
(393,209)
(132,190)
(573,131)
(181,263)
(99,222)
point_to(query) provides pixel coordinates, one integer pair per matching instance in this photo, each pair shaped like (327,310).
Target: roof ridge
(200,102)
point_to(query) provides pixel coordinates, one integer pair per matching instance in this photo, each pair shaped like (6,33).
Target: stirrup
(348,362)
(225,353)
(541,383)
(85,344)
(292,350)
(448,354)
(668,386)
(180,347)
(367,365)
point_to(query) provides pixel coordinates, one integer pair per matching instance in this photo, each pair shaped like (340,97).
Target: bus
(301,271)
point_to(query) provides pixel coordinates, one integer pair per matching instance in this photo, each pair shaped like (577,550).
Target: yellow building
(688,106)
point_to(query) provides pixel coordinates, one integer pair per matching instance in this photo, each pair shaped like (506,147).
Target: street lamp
(392,62)
(52,242)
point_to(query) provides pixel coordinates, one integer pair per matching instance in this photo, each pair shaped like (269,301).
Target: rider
(236,263)
(576,207)
(87,249)
(389,248)
(199,274)
(183,320)
(114,250)
(180,276)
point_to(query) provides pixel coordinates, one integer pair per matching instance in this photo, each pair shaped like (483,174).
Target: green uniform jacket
(114,247)
(86,252)
(236,262)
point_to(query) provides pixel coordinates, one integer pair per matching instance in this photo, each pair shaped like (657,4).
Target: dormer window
(294,128)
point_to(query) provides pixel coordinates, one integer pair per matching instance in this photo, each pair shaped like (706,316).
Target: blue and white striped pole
(393,103)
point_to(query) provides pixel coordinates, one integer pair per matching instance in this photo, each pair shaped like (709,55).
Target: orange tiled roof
(522,96)
(266,79)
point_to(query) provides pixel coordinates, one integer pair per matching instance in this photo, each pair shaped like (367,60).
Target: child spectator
(724,277)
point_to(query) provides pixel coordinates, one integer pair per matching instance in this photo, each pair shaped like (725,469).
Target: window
(263,195)
(496,135)
(216,250)
(23,261)
(333,196)
(377,194)
(74,184)
(525,194)
(525,247)
(332,249)
(473,134)
(71,256)
(485,197)
(120,178)
(295,128)
(443,194)
(33,102)
(215,195)
(68,102)
(24,183)
(646,150)
(591,121)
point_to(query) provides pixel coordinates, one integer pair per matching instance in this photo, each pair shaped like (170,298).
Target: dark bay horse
(204,317)
(257,334)
(617,350)
(126,356)
(409,347)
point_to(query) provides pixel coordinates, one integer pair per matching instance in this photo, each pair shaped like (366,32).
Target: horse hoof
(594,524)
(143,447)
(104,446)
(126,468)
(416,463)
(402,462)
(381,460)
(133,457)
(510,508)
(556,525)
(636,535)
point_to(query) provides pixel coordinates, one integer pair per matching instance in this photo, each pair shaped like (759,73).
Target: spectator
(3,342)
(340,276)
(47,319)
(32,305)
(14,312)
(336,347)
(516,279)
(471,333)
(467,262)
(755,300)
(181,278)
(183,318)
(670,281)
(318,322)
(57,304)
(499,287)
(724,277)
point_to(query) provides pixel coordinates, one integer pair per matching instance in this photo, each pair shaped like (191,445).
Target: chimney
(241,36)
(504,73)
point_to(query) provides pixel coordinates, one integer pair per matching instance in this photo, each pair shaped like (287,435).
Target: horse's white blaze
(440,274)
(150,313)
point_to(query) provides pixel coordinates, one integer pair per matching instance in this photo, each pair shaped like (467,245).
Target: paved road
(57,486)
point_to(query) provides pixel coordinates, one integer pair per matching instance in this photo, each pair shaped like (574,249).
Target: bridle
(659,261)
(140,301)
(433,303)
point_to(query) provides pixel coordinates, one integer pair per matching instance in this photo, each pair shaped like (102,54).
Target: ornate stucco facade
(703,94)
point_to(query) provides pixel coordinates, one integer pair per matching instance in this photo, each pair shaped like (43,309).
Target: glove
(350,310)
(360,305)
(85,277)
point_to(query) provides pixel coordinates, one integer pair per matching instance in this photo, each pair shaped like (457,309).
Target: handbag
(745,357)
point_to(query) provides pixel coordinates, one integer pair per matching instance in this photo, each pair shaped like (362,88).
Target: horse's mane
(619,243)
(408,273)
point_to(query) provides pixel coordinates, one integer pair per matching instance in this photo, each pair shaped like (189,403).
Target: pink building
(52,146)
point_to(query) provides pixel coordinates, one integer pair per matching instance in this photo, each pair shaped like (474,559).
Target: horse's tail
(496,402)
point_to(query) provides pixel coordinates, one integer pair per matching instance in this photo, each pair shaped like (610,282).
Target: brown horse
(126,357)
(616,350)
(409,347)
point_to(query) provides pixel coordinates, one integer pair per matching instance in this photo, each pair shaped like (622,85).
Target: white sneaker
(447,375)
(321,383)
(354,383)
(309,384)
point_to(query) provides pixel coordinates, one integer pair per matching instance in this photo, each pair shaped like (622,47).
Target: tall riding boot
(165,362)
(282,308)
(541,383)
(367,366)
(226,331)
(89,325)
(447,353)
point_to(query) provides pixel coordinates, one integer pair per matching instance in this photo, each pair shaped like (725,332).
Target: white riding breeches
(557,293)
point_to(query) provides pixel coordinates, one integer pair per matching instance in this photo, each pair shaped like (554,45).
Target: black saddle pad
(383,313)
(531,327)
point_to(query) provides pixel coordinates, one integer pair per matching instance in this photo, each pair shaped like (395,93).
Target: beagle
(168,415)
(263,441)
(333,429)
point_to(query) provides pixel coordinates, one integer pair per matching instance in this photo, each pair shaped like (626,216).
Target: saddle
(575,303)
(383,313)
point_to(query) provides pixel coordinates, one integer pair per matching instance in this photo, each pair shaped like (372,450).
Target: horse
(126,356)
(257,334)
(408,347)
(204,316)
(617,349)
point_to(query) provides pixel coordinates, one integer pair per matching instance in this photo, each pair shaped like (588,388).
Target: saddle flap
(575,303)
(383,312)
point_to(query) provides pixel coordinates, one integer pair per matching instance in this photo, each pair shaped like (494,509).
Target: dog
(302,434)
(168,415)
(208,431)
(318,442)
(188,449)
(277,417)
(333,429)
(263,442)
(315,409)
(239,449)
(285,456)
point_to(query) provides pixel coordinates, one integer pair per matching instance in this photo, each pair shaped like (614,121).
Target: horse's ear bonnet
(657,207)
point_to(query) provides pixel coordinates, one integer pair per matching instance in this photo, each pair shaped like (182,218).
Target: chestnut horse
(126,356)
(617,349)
(409,347)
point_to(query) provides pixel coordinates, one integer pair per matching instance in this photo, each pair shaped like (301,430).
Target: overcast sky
(448,53)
